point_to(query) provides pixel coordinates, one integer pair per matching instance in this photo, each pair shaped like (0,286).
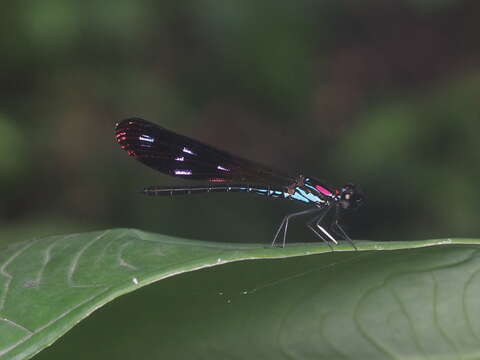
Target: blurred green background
(380,93)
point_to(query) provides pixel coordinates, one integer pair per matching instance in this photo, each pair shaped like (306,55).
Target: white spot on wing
(183,172)
(188,151)
(146,138)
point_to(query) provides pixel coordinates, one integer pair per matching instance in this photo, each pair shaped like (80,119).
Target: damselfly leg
(286,219)
(315,223)
(339,230)
(310,226)
(335,227)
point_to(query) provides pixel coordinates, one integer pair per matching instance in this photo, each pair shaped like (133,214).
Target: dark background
(381,93)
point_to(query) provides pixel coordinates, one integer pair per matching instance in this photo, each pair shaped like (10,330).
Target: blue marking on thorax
(310,186)
(304,196)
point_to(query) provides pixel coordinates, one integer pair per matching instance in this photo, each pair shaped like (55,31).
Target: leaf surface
(388,300)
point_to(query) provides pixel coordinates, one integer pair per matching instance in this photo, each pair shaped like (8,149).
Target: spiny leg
(284,224)
(316,220)
(286,219)
(335,226)
(322,229)
(344,234)
(309,225)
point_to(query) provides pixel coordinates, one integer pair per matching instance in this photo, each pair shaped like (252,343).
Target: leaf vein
(3,272)
(120,258)
(73,266)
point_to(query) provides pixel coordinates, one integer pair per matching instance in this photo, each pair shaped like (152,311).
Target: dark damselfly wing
(181,156)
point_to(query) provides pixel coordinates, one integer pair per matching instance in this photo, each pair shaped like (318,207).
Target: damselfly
(181,156)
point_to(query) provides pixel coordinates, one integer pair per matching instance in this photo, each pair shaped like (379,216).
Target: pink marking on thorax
(323,190)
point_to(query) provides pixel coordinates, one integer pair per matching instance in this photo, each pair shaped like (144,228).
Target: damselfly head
(351,197)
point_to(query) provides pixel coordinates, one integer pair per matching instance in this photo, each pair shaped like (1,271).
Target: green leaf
(387,300)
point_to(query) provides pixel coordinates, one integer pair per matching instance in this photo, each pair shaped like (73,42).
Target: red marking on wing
(216,180)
